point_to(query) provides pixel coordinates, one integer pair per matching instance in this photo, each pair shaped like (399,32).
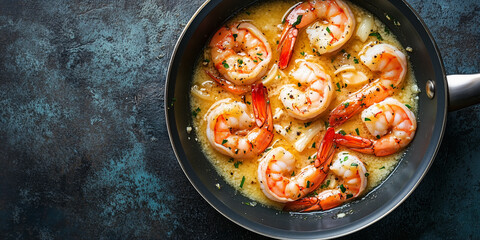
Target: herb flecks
(195,112)
(299,19)
(225,64)
(377,35)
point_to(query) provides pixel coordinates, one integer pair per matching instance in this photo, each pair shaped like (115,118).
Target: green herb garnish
(237,164)
(358,132)
(225,64)
(243,181)
(377,35)
(299,19)
(195,112)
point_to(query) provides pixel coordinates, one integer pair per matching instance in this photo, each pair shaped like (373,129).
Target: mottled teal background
(84,151)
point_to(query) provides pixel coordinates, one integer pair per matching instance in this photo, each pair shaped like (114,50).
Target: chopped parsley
(225,64)
(293,173)
(342,188)
(299,84)
(383,167)
(338,87)
(237,164)
(366,174)
(349,195)
(299,19)
(307,124)
(235,36)
(268,149)
(330,32)
(367,119)
(377,35)
(259,54)
(346,104)
(355,60)
(243,181)
(240,61)
(313,145)
(342,132)
(303,53)
(353,164)
(308,184)
(358,132)
(195,112)
(378,136)
(408,106)
(224,141)
(387,30)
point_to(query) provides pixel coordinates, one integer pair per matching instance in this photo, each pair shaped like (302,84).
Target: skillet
(429,72)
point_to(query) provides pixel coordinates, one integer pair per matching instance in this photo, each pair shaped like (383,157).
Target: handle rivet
(430,89)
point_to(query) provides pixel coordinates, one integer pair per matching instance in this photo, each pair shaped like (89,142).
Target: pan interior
(431,117)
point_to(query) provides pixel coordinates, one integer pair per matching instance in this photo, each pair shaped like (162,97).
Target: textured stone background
(84,151)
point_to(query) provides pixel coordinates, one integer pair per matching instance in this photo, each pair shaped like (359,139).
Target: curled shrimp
(311,96)
(392,123)
(350,172)
(275,172)
(232,130)
(241,55)
(333,27)
(392,66)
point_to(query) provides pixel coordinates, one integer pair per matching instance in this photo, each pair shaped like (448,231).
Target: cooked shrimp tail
(327,199)
(325,150)
(304,204)
(355,143)
(286,45)
(229,86)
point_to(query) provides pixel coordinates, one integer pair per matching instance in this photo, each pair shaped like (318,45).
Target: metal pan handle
(463,90)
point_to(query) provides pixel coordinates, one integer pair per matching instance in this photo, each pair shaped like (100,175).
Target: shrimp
(392,66)
(352,182)
(234,132)
(275,172)
(314,95)
(333,27)
(392,123)
(241,54)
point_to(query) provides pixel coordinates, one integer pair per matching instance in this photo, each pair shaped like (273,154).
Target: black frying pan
(433,104)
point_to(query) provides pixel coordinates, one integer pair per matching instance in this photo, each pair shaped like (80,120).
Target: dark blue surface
(84,151)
